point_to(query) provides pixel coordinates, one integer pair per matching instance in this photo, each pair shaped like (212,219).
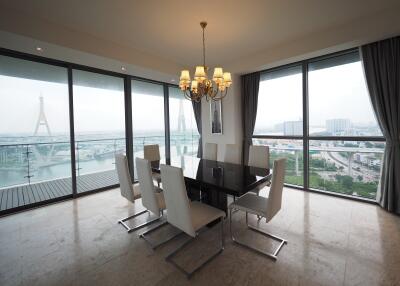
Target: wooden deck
(20,196)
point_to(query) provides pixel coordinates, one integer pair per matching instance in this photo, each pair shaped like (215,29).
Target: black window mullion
(128,124)
(305,127)
(72,130)
(166,124)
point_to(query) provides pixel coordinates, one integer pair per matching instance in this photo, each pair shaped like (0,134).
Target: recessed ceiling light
(123,68)
(172,80)
(39,49)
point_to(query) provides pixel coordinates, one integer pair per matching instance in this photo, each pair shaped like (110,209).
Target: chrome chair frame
(129,229)
(273,255)
(170,257)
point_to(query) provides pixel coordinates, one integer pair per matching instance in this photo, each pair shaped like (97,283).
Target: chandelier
(201,86)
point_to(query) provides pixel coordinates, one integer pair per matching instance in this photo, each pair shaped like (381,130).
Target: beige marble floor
(332,241)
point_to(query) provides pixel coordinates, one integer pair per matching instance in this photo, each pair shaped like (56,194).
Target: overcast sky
(337,92)
(95,110)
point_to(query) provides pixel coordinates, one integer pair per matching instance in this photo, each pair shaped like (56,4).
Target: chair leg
(129,229)
(170,257)
(273,255)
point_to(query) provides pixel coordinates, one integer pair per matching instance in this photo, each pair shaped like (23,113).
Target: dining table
(212,181)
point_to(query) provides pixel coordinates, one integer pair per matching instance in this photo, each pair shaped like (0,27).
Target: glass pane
(147,117)
(346,167)
(290,149)
(183,128)
(34,133)
(339,103)
(99,117)
(280,103)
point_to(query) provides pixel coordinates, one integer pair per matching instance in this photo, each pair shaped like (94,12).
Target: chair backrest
(146,184)
(258,156)
(275,194)
(125,182)
(176,199)
(152,152)
(210,151)
(232,154)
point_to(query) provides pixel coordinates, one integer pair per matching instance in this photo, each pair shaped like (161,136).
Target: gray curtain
(250,85)
(381,62)
(197,116)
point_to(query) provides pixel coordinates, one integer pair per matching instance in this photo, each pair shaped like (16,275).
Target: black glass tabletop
(233,179)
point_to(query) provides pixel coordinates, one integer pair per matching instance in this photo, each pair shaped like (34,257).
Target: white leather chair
(152,153)
(259,157)
(128,190)
(232,154)
(210,151)
(185,215)
(152,198)
(263,207)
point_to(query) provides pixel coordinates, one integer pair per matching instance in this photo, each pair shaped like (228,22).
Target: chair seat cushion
(203,214)
(260,187)
(251,203)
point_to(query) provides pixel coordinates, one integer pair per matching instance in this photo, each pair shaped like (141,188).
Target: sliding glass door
(35,161)
(99,122)
(148,119)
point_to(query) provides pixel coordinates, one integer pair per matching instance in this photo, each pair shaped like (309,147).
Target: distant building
(292,128)
(338,126)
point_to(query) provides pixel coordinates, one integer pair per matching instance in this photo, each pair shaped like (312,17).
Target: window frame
(306,136)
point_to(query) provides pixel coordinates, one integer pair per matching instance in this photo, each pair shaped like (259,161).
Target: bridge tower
(42,120)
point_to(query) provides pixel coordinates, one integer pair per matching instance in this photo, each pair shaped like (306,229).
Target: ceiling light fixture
(39,49)
(201,86)
(123,68)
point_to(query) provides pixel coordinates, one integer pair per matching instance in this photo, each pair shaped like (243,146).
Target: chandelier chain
(204,49)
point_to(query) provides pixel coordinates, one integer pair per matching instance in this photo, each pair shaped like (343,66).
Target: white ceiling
(170,29)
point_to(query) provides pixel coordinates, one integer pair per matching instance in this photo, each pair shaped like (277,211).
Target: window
(34,133)
(290,149)
(280,107)
(338,98)
(348,167)
(344,145)
(147,117)
(38,99)
(184,136)
(99,120)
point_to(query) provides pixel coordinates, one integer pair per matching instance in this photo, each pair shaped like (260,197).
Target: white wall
(231,120)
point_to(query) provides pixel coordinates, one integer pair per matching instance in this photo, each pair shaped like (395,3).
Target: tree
(347,182)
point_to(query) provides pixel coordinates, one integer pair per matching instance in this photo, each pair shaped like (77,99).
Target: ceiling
(170,29)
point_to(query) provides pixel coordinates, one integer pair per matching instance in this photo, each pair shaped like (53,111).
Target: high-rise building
(292,128)
(338,126)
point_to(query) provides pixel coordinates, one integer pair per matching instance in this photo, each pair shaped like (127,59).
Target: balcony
(31,174)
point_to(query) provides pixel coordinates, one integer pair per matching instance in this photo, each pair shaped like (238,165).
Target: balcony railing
(28,163)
